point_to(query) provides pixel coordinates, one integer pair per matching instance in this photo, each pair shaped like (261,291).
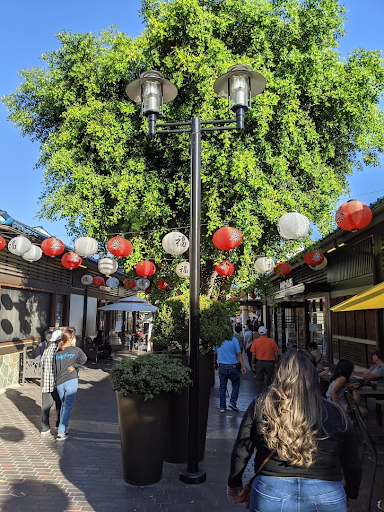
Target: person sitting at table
(313,349)
(103,345)
(339,384)
(375,372)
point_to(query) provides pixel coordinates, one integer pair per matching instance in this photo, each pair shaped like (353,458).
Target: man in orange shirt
(264,356)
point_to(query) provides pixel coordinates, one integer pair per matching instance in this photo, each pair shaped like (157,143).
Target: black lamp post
(152,90)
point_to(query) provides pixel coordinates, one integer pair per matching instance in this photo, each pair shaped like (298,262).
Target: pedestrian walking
(239,335)
(49,393)
(264,356)
(248,340)
(228,360)
(68,360)
(303,447)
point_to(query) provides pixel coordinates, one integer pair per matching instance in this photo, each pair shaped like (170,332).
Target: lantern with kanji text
(71,260)
(264,265)
(353,215)
(227,238)
(161,284)
(225,268)
(183,269)
(119,247)
(19,245)
(52,246)
(145,268)
(282,268)
(175,243)
(87,279)
(322,265)
(129,283)
(314,258)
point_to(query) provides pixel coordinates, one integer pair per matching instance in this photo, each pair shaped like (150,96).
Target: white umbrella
(129,306)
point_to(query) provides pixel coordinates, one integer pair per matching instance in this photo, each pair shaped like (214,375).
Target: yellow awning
(373,298)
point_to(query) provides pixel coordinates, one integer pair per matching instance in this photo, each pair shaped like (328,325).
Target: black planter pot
(176,445)
(142,434)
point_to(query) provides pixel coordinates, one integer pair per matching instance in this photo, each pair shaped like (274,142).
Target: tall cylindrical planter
(176,446)
(142,434)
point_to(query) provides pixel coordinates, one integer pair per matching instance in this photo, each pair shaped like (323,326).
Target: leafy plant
(150,375)
(172,324)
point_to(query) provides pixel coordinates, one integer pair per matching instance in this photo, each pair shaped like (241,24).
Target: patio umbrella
(138,305)
(373,298)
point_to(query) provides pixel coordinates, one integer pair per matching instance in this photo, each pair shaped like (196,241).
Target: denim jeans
(67,392)
(271,494)
(227,371)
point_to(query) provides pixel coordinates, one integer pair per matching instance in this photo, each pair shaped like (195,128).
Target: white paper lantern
(86,246)
(143,283)
(86,279)
(293,225)
(19,245)
(264,265)
(34,254)
(112,282)
(175,243)
(183,269)
(107,266)
(321,266)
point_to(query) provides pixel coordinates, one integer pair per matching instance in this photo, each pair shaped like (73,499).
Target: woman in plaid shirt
(48,388)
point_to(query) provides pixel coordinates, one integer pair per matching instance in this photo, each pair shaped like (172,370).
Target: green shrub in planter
(149,375)
(171,329)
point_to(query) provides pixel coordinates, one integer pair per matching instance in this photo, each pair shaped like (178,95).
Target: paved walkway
(84,473)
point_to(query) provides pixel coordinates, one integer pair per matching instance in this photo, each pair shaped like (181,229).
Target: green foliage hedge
(150,375)
(171,330)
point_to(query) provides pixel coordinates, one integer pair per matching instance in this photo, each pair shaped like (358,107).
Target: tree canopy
(317,119)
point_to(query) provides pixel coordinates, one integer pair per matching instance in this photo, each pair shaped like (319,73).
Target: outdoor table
(378,394)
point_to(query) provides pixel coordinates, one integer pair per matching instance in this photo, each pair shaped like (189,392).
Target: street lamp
(152,90)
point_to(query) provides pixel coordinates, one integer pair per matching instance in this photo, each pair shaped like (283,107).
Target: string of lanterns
(351,216)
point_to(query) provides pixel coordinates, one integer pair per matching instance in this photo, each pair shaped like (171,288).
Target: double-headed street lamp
(152,90)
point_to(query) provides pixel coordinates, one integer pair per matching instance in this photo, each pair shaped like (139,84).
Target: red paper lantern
(282,268)
(314,258)
(145,268)
(227,238)
(147,290)
(253,296)
(129,283)
(233,298)
(353,215)
(161,284)
(52,246)
(3,243)
(242,296)
(225,268)
(71,260)
(98,281)
(119,247)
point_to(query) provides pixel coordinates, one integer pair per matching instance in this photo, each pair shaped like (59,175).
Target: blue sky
(27,29)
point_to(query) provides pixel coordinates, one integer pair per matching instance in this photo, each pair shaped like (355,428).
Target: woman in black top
(68,360)
(309,440)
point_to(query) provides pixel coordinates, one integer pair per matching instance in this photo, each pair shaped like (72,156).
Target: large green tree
(317,119)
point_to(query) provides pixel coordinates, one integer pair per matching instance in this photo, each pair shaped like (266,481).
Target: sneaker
(222,410)
(61,437)
(233,407)
(45,429)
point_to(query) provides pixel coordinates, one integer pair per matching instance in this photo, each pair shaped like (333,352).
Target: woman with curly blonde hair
(304,446)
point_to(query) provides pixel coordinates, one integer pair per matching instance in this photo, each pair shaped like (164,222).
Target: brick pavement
(84,473)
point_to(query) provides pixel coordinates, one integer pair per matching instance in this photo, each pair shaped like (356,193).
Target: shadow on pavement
(24,496)
(28,406)
(13,434)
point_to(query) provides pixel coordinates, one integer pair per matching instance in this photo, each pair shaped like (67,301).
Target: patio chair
(368,447)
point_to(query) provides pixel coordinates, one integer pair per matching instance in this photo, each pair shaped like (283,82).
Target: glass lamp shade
(152,97)
(86,279)
(239,90)
(86,246)
(183,269)
(34,254)
(107,266)
(19,245)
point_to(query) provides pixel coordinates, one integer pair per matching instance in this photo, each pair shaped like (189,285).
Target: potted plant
(143,386)
(172,332)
